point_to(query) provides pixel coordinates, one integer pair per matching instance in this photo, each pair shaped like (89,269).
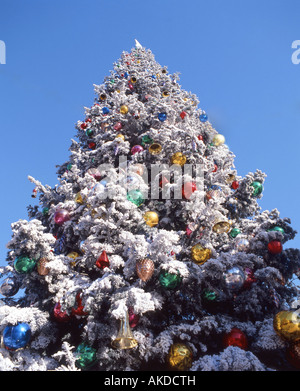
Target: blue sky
(234,55)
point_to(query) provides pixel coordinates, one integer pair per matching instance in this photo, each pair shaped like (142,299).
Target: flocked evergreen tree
(151,252)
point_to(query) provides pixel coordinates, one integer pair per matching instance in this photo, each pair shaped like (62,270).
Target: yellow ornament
(123,109)
(133,79)
(287,325)
(200,254)
(221,226)
(155,149)
(218,140)
(103,96)
(73,255)
(180,357)
(178,158)
(120,136)
(151,218)
(165,94)
(79,199)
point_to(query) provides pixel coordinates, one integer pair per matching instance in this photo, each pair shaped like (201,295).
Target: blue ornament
(126,75)
(105,110)
(153,77)
(16,337)
(203,117)
(162,117)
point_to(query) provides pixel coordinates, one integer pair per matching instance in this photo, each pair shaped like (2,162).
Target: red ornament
(200,137)
(188,189)
(133,318)
(275,247)
(235,338)
(215,168)
(79,308)
(88,120)
(250,279)
(182,114)
(83,125)
(235,185)
(102,261)
(59,315)
(92,145)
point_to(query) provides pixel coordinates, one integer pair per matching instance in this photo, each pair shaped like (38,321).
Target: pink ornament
(61,216)
(133,318)
(136,149)
(118,126)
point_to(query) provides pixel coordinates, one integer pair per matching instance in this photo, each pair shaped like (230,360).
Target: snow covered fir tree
(151,252)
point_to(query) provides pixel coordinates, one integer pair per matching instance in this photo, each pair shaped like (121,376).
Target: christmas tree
(151,252)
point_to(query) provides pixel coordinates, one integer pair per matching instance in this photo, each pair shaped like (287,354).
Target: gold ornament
(221,226)
(124,339)
(123,109)
(230,178)
(73,255)
(103,97)
(144,269)
(287,325)
(218,140)
(165,94)
(178,158)
(133,79)
(79,199)
(200,254)
(120,136)
(42,268)
(155,149)
(151,218)
(180,357)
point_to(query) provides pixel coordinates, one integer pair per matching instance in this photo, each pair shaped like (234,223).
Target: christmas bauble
(249,278)
(146,140)
(155,149)
(203,117)
(180,357)
(235,338)
(133,318)
(41,267)
(209,295)
(234,232)
(257,188)
(102,261)
(162,116)
(241,244)
(78,309)
(169,280)
(235,185)
(123,109)
(16,337)
(188,189)
(287,325)
(275,247)
(200,254)
(89,132)
(277,229)
(79,199)
(61,216)
(92,145)
(234,278)
(9,287)
(118,126)
(102,96)
(59,315)
(144,269)
(136,149)
(178,158)
(136,197)
(221,225)
(151,218)
(105,110)
(182,114)
(24,264)
(86,356)
(218,140)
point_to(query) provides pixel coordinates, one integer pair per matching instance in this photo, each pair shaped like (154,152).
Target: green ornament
(234,232)
(257,188)
(278,229)
(89,132)
(24,264)
(169,280)
(86,356)
(45,211)
(136,197)
(146,140)
(69,166)
(209,295)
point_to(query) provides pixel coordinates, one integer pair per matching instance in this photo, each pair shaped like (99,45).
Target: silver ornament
(9,287)
(234,278)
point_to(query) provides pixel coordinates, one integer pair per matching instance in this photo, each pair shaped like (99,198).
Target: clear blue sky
(234,55)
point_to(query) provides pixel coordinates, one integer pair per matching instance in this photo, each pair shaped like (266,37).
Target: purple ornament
(61,216)
(133,318)
(136,149)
